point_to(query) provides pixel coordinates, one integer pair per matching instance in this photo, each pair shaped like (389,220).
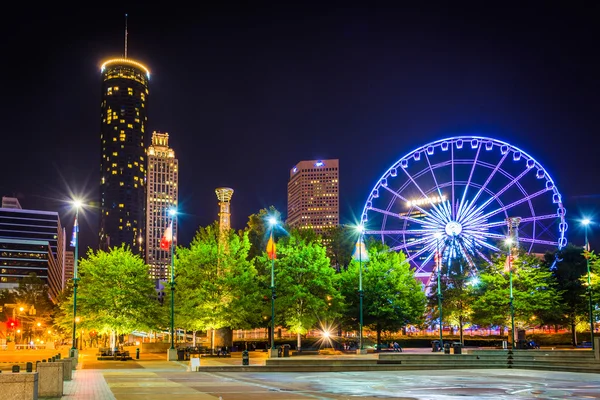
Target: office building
(123,124)
(313,195)
(161,197)
(69,266)
(31,241)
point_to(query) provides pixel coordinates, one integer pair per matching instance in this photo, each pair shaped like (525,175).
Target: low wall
(50,379)
(154,347)
(19,386)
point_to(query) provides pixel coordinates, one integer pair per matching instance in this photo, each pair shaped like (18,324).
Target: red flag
(271,248)
(167,238)
(508,265)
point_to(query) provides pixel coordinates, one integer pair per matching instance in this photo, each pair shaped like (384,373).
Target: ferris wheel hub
(453,228)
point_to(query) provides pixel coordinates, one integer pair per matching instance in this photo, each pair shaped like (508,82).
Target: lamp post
(586,222)
(361,293)
(75,241)
(173,214)
(438,236)
(271,253)
(509,242)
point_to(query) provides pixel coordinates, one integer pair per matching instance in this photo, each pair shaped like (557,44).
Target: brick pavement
(87,384)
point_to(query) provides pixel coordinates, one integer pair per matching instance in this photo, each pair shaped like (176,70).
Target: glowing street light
(77,204)
(173,214)
(272,255)
(360,253)
(586,222)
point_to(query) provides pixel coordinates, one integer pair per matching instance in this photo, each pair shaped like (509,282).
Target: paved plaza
(152,377)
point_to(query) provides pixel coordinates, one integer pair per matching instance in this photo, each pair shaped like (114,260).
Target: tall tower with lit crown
(162,196)
(224,195)
(123,121)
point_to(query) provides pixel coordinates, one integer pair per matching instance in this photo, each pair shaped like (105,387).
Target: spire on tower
(125,35)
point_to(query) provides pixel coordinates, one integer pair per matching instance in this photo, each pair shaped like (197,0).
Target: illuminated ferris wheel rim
(450,224)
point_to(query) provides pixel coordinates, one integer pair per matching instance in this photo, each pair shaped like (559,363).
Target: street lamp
(75,243)
(509,243)
(271,254)
(173,214)
(361,294)
(586,222)
(438,260)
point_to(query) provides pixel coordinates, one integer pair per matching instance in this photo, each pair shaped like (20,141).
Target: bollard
(137,354)
(53,358)
(16,369)
(245,358)
(43,360)
(29,367)
(58,356)
(50,360)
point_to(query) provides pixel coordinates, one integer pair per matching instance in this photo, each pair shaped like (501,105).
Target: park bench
(117,354)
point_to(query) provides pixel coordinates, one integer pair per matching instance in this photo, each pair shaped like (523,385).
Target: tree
(258,230)
(535,292)
(216,288)
(115,294)
(304,281)
(341,240)
(457,294)
(32,295)
(568,266)
(393,298)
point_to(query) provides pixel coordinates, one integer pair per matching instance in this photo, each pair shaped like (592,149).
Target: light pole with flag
(166,243)
(272,254)
(586,222)
(508,268)
(360,254)
(438,265)
(75,243)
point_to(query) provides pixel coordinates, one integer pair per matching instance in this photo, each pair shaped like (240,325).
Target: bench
(107,354)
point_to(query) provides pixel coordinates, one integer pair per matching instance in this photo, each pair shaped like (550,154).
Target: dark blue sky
(275,84)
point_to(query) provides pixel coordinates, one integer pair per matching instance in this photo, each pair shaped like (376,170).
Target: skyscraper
(313,196)
(161,197)
(124,106)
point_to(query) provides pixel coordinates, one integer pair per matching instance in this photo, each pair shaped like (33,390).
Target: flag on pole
(360,251)
(74,236)
(167,238)
(509,264)
(271,248)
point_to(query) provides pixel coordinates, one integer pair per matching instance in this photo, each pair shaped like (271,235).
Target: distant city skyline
(363,85)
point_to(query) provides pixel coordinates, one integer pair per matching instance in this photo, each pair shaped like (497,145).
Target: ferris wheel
(461,197)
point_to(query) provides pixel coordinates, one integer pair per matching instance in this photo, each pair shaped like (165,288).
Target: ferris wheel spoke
(487,181)
(484,257)
(409,244)
(453,211)
(437,186)
(463,199)
(538,241)
(509,206)
(402,217)
(398,232)
(501,191)
(398,195)
(433,206)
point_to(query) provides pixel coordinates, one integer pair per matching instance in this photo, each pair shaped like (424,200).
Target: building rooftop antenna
(125,35)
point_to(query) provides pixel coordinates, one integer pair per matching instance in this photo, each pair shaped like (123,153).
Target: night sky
(247,91)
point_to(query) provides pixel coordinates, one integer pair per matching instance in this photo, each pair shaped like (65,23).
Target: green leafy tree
(457,294)
(534,291)
(115,294)
(304,280)
(594,261)
(393,298)
(32,295)
(216,284)
(568,266)
(340,240)
(258,230)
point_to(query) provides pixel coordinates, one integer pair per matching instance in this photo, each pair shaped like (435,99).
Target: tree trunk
(212,341)
(378,337)
(194,338)
(573,333)
(299,344)
(460,326)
